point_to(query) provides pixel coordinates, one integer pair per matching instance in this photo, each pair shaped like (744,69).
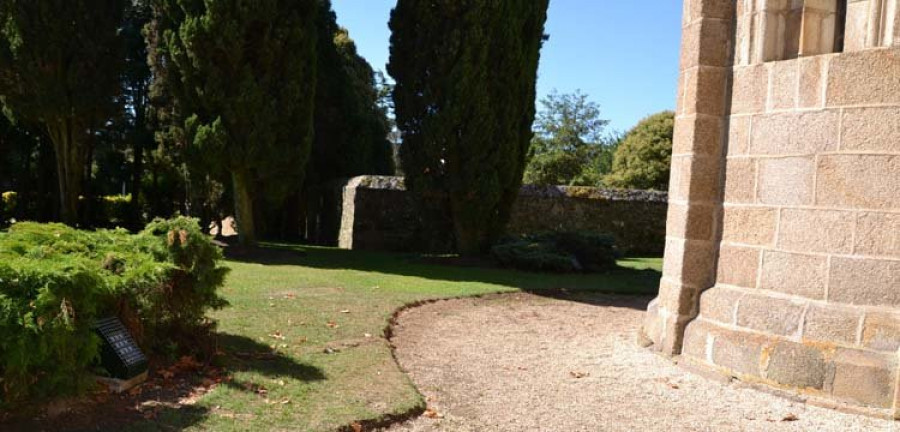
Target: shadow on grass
(635,276)
(247,355)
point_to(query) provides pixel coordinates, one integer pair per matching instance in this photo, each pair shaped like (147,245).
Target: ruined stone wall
(377,214)
(804,291)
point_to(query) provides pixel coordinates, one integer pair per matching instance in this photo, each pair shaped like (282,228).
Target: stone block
(740,181)
(738,266)
(697,338)
(739,352)
(857,26)
(871,130)
(786,181)
(719,304)
(797,365)
(689,261)
(770,314)
(789,133)
(859,181)
(705,42)
(704,90)
(750,89)
(862,281)
(678,298)
(784,81)
(864,78)
(881,331)
(864,377)
(696,222)
(697,134)
(878,234)
(825,231)
(831,324)
(738,135)
(795,274)
(695,178)
(750,225)
(812,82)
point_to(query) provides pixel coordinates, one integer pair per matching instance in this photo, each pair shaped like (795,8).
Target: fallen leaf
(790,418)
(331,324)
(356,427)
(579,375)
(345,311)
(277,335)
(368,335)
(432,414)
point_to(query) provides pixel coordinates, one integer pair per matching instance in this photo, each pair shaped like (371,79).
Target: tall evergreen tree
(466,72)
(59,66)
(243,75)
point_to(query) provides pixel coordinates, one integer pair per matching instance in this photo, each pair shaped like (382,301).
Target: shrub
(558,252)
(8,201)
(55,281)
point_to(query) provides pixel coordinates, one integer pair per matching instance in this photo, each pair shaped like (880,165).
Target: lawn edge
(391,419)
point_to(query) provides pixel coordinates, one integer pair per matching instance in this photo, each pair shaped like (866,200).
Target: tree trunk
(243,206)
(471,241)
(69,166)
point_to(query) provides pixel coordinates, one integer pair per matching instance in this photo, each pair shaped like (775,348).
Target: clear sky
(622,53)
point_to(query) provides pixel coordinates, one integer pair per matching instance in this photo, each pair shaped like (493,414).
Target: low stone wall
(377,214)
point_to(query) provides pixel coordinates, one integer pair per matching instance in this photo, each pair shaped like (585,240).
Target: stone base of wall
(814,350)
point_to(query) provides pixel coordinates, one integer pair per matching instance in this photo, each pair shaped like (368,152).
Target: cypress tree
(59,67)
(243,76)
(466,72)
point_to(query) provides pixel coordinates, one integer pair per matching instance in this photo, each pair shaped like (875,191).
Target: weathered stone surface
(735,266)
(704,90)
(750,89)
(738,135)
(677,298)
(770,315)
(740,181)
(690,261)
(871,129)
(859,181)
(750,225)
(831,324)
(738,352)
(695,222)
(864,377)
(697,338)
(864,77)
(719,304)
(797,365)
(825,231)
(812,82)
(786,181)
(697,134)
(865,281)
(803,133)
(881,331)
(694,178)
(784,81)
(795,274)
(878,234)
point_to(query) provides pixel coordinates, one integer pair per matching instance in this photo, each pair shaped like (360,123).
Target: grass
(308,330)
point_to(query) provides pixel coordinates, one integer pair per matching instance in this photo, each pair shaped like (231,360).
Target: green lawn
(309,331)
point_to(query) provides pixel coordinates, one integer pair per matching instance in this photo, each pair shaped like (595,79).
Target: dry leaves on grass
(432,414)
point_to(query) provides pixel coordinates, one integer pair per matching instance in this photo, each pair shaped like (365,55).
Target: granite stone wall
(782,259)
(377,214)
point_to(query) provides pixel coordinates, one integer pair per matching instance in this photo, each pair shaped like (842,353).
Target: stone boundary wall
(376,213)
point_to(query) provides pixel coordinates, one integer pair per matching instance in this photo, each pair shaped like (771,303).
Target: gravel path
(527,363)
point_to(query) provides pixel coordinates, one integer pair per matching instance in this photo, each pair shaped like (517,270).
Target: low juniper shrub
(558,252)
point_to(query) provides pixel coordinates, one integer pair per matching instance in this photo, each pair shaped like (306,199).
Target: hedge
(55,281)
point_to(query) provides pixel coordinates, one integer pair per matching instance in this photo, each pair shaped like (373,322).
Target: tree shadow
(161,403)
(638,278)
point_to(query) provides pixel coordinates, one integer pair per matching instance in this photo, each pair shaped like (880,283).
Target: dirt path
(528,363)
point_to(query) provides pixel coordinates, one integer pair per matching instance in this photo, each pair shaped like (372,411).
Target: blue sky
(622,53)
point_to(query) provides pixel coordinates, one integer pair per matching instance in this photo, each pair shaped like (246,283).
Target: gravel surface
(527,363)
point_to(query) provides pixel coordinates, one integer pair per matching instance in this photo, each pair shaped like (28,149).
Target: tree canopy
(465,74)
(569,146)
(244,77)
(644,159)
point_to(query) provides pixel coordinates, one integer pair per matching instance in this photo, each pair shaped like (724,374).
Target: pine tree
(243,76)
(59,66)
(466,72)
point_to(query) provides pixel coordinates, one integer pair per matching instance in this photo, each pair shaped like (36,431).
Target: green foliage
(569,147)
(644,159)
(558,252)
(59,66)
(243,78)
(465,74)
(55,281)
(8,201)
